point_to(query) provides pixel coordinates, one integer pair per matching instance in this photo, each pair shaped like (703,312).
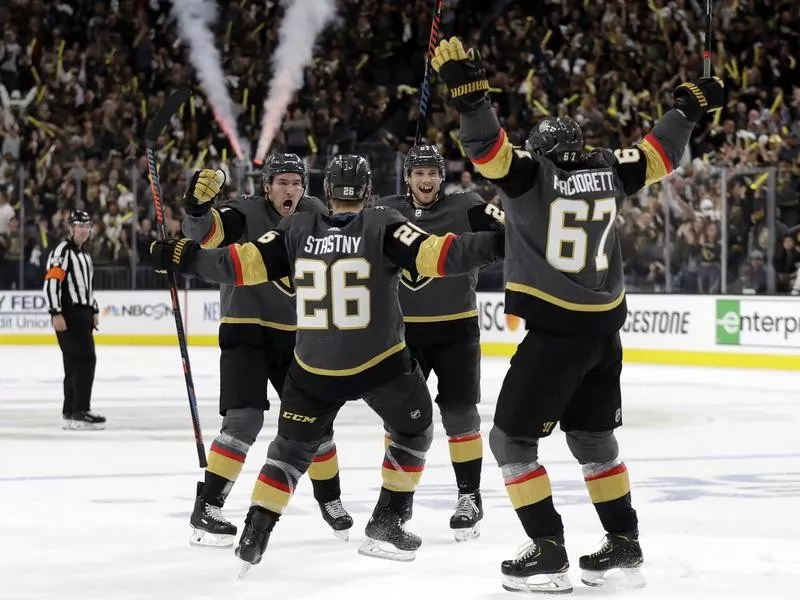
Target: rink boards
(732,331)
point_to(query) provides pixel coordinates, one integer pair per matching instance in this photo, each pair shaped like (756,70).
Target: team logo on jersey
(418,212)
(414,283)
(284,284)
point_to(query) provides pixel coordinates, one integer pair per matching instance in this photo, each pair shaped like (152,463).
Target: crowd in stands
(80,80)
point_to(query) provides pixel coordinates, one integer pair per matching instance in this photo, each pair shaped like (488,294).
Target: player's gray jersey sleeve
(251,263)
(422,253)
(654,157)
(217,227)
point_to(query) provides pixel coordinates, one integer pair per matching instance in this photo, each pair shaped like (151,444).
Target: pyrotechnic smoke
(195,20)
(303,22)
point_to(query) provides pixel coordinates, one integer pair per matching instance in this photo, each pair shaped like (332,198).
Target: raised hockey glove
(695,98)
(173,255)
(462,72)
(203,188)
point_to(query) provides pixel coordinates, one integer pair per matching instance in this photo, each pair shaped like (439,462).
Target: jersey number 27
(568,246)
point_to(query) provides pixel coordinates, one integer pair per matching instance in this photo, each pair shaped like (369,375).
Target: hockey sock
(324,473)
(466,454)
(275,485)
(528,488)
(402,468)
(610,490)
(225,462)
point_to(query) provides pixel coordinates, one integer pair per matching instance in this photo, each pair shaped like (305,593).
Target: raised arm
(203,223)
(487,145)
(654,157)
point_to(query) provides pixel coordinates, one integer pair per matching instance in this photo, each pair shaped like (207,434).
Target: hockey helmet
(348,178)
(423,156)
(79,217)
(280,162)
(558,138)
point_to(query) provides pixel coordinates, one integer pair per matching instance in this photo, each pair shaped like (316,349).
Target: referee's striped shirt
(68,281)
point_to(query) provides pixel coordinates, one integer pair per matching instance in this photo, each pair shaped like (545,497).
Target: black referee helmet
(79,217)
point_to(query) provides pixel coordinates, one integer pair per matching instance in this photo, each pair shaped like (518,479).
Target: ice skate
(615,564)
(465,521)
(84,420)
(257,528)
(337,517)
(540,565)
(387,537)
(209,528)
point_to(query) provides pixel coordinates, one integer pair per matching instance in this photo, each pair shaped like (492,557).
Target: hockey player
(350,344)
(563,276)
(441,323)
(256,339)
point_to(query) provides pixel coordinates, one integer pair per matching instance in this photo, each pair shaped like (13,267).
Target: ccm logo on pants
(299,418)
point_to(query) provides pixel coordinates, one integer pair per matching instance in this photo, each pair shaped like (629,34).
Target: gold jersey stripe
(354,370)
(496,163)
(250,267)
(436,318)
(658,165)
(217,232)
(261,322)
(532,291)
(429,261)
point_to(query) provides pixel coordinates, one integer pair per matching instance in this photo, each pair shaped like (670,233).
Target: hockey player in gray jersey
(345,267)
(441,323)
(256,339)
(563,272)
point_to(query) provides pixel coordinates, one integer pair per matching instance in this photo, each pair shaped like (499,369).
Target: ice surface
(714,457)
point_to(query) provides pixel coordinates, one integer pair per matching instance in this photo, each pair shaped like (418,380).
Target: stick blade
(164,114)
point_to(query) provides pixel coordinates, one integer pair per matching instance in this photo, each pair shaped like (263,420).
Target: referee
(70,298)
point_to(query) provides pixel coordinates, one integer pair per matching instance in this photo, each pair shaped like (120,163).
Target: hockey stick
(707,48)
(425,91)
(154,128)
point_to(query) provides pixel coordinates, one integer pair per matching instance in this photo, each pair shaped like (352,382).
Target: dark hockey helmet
(558,138)
(79,217)
(280,162)
(423,156)
(349,178)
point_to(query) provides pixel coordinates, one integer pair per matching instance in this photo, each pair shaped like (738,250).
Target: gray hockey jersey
(563,265)
(346,270)
(438,308)
(245,219)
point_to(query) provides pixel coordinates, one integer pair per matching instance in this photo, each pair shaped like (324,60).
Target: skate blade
(620,577)
(245,568)
(464,535)
(544,583)
(82,426)
(386,551)
(342,534)
(205,539)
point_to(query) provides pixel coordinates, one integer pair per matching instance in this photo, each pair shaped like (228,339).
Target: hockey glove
(695,98)
(173,255)
(485,217)
(204,187)
(462,72)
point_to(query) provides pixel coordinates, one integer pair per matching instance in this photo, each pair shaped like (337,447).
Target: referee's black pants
(77,347)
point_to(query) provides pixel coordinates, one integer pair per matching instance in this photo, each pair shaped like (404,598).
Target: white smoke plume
(303,22)
(195,19)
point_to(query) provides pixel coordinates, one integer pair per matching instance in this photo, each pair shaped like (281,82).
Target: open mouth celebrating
(426,189)
(287,204)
